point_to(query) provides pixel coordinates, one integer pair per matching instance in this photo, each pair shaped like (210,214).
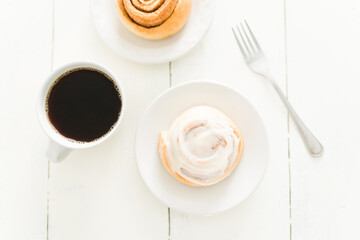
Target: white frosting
(201,145)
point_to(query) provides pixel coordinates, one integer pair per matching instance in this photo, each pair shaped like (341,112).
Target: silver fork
(257,62)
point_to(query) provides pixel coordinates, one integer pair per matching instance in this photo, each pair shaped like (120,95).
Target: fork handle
(313,145)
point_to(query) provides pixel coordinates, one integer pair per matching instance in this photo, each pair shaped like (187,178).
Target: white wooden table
(313,46)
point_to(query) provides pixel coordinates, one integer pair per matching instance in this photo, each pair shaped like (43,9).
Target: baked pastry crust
(155,28)
(162,145)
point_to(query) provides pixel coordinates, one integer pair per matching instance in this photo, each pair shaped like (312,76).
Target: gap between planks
(288,119)
(51,69)
(169,211)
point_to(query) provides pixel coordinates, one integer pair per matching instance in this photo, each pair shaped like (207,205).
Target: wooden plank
(25,47)
(323,75)
(265,215)
(98,193)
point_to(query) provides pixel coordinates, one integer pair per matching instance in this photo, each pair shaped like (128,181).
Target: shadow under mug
(60,146)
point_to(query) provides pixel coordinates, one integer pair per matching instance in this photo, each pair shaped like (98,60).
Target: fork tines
(246,40)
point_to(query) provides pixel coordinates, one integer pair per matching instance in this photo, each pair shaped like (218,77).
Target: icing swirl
(202,145)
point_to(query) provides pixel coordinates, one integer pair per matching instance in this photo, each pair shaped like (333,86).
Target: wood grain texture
(323,70)
(98,193)
(218,58)
(25,47)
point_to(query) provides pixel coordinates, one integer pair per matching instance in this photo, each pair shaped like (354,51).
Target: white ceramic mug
(60,146)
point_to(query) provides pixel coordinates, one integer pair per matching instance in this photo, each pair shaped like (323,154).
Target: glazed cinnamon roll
(202,146)
(154,19)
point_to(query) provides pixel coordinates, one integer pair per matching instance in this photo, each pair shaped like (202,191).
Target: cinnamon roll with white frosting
(202,146)
(154,19)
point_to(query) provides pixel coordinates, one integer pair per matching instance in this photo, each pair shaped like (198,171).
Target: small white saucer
(229,192)
(129,46)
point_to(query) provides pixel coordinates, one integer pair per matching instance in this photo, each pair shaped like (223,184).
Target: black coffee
(83,104)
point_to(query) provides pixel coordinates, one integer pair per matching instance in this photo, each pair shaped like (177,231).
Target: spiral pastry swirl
(150,13)
(154,19)
(202,146)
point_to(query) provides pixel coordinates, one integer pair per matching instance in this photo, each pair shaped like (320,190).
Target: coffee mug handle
(57,153)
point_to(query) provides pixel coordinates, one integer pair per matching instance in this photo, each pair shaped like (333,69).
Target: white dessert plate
(131,47)
(225,194)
